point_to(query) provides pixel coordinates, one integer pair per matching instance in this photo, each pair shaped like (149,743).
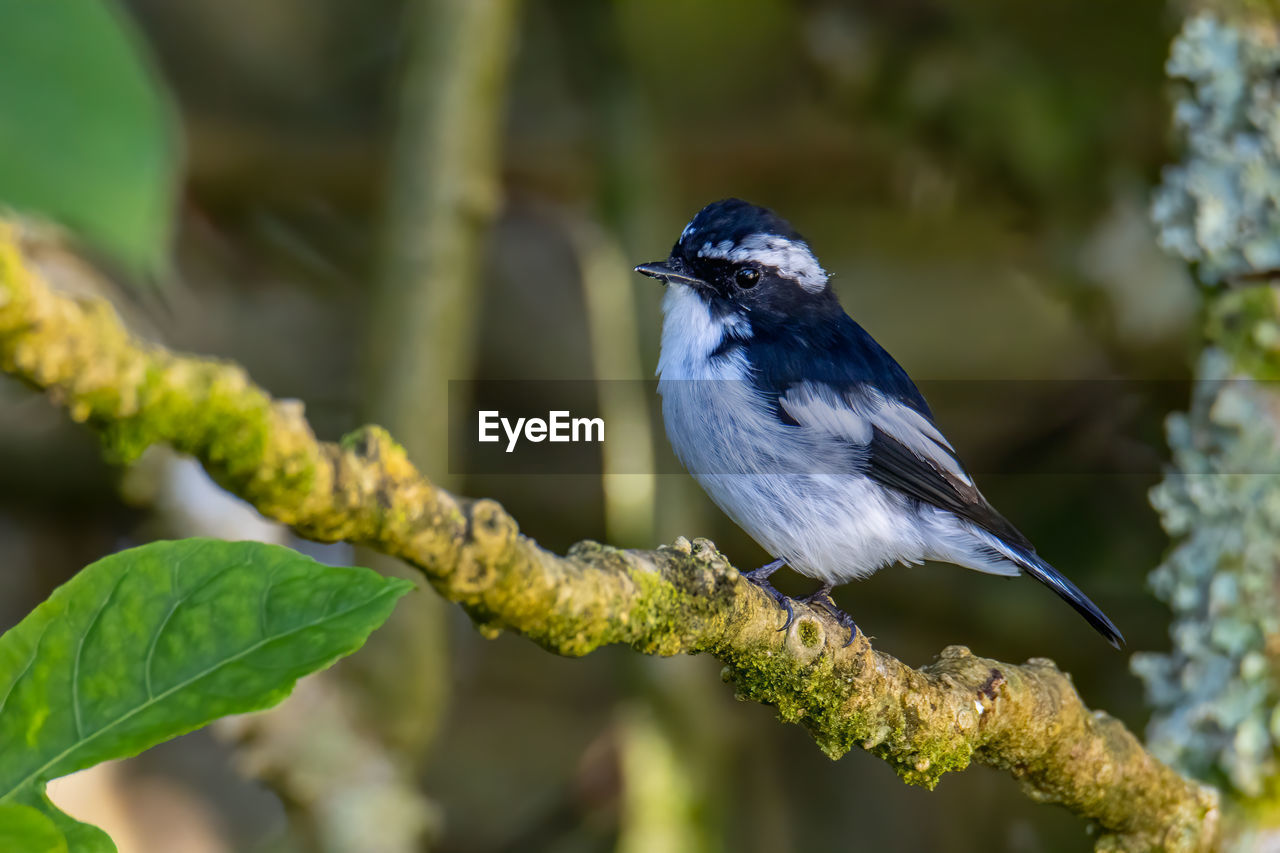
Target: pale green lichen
(1214,695)
(1220,208)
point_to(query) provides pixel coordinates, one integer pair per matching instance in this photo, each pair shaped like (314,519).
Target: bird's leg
(822,598)
(760,577)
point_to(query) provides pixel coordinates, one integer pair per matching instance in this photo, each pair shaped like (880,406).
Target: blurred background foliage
(85,135)
(976,175)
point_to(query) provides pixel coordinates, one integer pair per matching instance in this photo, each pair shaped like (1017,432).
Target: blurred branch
(377,714)
(615,355)
(443,194)
(672,733)
(1026,719)
(342,788)
(441,197)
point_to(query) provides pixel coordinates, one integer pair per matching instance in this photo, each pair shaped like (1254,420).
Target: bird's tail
(1035,566)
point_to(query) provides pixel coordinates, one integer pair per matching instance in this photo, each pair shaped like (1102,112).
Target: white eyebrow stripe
(791,258)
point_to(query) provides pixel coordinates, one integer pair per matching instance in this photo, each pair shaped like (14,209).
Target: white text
(558,427)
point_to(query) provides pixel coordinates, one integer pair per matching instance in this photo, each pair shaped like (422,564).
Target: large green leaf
(87,136)
(155,641)
(26,829)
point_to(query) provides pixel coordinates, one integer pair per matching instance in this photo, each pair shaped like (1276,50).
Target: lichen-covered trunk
(1214,695)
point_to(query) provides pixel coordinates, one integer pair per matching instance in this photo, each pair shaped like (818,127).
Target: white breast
(795,492)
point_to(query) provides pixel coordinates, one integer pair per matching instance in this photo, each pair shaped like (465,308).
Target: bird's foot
(822,598)
(760,577)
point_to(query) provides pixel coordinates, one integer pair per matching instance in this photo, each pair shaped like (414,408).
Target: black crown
(732,219)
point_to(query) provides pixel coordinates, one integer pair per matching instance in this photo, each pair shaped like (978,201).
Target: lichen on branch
(685,599)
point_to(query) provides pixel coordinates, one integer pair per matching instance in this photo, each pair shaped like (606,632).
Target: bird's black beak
(669,272)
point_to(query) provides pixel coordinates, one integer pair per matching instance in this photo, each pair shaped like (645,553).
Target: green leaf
(87,136)
(76,837)
(153,642)
(23,828)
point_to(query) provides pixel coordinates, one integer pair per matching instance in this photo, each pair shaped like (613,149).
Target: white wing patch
(821,408)
(791,258)
(852,415)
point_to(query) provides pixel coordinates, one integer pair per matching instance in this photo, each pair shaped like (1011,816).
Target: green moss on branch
(685,599)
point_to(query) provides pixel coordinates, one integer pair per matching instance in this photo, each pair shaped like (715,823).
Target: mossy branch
(1026,719)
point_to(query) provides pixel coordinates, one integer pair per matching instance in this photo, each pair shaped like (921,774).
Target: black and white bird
(802,428)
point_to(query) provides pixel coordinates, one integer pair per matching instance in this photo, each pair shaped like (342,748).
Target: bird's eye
(747,277)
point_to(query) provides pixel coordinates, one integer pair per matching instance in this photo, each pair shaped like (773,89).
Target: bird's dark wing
(899,447)
(829,375)
(832,350)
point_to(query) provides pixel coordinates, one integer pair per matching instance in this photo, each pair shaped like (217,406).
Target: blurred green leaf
(24,828)
(150,643)
(87,136)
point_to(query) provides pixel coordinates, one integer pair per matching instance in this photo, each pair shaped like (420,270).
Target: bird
(805,431)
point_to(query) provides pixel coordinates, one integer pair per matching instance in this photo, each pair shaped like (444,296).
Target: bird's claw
(819,598)
(760,578)
(791,613)
(822,598)
(779,598)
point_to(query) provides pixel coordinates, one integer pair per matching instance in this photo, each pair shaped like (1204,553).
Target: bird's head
(744,260)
